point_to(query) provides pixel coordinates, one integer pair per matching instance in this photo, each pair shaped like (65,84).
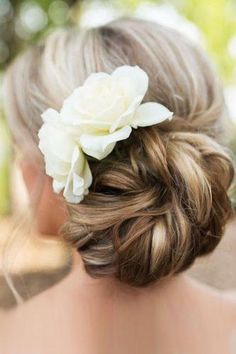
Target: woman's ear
(49,208)
(31,175)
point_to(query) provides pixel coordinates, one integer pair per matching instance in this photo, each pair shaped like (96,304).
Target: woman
(134,154)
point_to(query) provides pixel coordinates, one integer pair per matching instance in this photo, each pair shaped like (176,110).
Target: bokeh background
(211,24)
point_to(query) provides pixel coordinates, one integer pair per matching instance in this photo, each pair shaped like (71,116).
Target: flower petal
(69,190)
(102,121)
(127,116)
(95,78)
(50,116)
(79,178)
(57,186)
(71,111)
(55,167)
(135,75)
(55,139)
(150,113)
(99,146)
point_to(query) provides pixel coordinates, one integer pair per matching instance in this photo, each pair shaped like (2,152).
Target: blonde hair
(160,198)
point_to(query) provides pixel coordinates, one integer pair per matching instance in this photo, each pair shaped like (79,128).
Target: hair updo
(160,198)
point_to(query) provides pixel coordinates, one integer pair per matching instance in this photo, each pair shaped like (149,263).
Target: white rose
(92,119)
(107,107)
(64,160)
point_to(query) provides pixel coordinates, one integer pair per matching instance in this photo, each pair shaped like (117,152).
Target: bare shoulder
(4,329)
(229,299)
(2,319)
(30,323)
(220,304)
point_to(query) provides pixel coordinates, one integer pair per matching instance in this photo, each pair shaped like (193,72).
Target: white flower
(107,107)
(92,119)
(64,160)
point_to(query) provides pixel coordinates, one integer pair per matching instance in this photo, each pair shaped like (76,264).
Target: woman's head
(159,199)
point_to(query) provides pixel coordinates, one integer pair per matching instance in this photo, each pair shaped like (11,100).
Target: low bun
(157,202)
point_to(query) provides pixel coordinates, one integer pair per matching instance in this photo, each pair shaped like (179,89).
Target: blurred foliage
(5,205)
(217,20)
(25,21)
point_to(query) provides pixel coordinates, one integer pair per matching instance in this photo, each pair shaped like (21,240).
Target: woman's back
(85,316)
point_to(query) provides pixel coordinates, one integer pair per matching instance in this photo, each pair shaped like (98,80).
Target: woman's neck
(173,287)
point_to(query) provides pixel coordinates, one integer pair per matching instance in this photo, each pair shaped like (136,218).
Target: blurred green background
(211,23)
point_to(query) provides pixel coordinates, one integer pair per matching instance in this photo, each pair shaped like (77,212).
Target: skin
(50,209)
(102,316)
